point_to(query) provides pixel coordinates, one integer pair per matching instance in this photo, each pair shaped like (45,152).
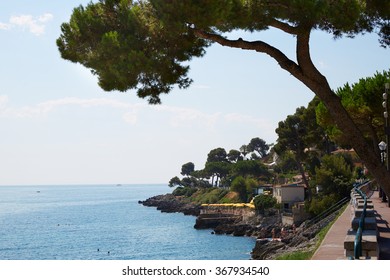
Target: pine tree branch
(304,57)
(258,46)
(283,26)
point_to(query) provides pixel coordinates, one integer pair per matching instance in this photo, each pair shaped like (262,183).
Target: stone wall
(244,212)
(297,215)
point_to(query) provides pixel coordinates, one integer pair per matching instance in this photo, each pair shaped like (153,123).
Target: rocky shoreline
(272,238)
(168,203)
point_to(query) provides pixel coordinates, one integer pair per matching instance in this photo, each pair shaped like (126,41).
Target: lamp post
(383,146)
(386,116)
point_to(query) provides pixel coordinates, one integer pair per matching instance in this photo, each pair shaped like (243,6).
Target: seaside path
(332,247)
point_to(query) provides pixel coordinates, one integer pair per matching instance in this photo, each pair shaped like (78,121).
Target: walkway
(382,219)
(332,247)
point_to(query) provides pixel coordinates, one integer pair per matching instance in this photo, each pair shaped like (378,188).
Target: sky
(58,127)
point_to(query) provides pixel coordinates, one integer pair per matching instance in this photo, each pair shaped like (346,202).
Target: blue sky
(58,127)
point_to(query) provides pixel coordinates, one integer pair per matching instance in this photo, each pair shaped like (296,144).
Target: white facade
(287,195)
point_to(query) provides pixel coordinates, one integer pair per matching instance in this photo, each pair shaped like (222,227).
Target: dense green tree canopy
(334,176)
(127,46)
(300,137)
(252,168)
(220,169)
(234,156)
(364,102)
(244,149)
(175,182)
(291,133)
(259,146)
(217,155)
(301,132)
(187,168)
(146,45)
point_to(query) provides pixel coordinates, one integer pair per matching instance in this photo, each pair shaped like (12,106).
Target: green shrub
(263,202)
(210,195)
(239,185)
(320,204)
(179,191)
(184,191)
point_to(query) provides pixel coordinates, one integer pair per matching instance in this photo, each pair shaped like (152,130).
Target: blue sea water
(103,222)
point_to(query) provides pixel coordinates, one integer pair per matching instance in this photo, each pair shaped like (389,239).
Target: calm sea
(103,222)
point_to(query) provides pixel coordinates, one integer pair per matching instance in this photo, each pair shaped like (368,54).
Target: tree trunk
(309,75)
(304,70)
(355,137)
(374,137)
(304,178)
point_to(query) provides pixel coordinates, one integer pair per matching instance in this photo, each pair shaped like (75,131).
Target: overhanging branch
(304,57)
(258,46)
(283,26)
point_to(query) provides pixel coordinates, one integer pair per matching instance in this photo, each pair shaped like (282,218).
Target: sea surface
(104,222)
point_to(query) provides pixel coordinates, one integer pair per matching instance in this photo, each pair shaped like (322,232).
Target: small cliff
(171,204)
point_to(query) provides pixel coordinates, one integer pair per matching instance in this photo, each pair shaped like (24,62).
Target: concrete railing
(368,227)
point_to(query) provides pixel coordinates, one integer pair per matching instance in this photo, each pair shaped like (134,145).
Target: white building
(288,195)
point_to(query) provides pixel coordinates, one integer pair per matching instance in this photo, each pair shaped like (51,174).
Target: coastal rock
(234,229)
(215,222)
(169,203)
(265,247)
(302,239)
(227,223)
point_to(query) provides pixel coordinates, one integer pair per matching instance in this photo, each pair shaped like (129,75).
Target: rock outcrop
(301,239)
(171,204)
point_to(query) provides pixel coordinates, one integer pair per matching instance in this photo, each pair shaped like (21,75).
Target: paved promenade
(382,220)
(332,247)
